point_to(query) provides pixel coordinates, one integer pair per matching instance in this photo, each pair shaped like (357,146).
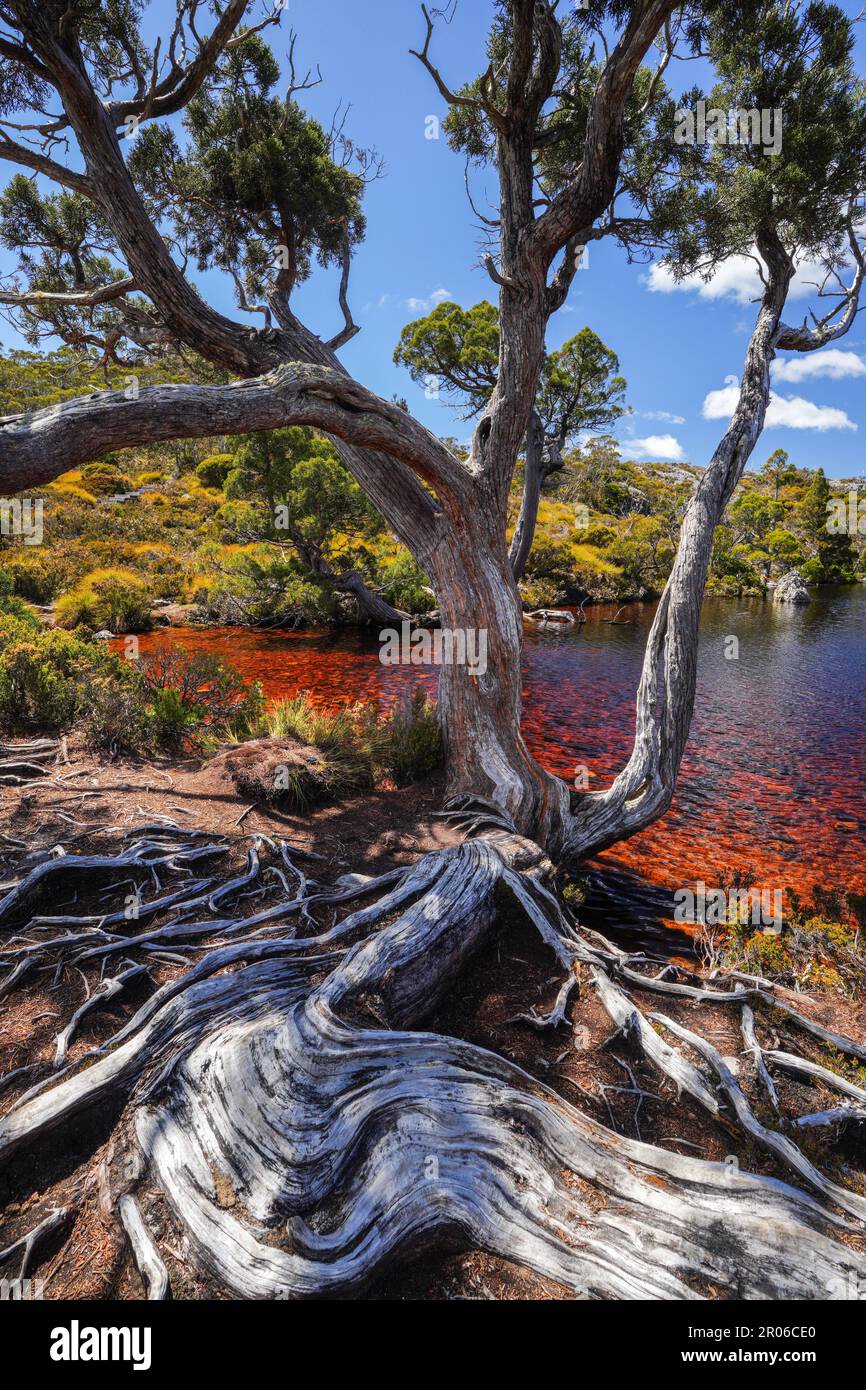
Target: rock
(275,770)
(791,588)
(103,636)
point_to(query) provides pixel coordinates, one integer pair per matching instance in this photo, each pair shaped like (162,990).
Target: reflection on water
(773,779)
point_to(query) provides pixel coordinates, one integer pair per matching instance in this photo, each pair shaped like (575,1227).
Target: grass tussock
(362,747)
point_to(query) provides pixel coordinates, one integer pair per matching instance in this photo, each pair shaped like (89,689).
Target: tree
(778,471)
(309,498)
(834,558)
(346,1112)
(579,391)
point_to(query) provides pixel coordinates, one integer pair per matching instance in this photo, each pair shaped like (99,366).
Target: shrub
(213,471)
(195,693)
(362,746)
(818,947)
(255,586)
(15,617)
(44,674)
(37,577)
(115,715)
(413,743)
(114,599)
(405,585)
(103,478)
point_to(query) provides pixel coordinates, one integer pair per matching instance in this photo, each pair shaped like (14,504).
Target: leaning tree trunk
(534,474)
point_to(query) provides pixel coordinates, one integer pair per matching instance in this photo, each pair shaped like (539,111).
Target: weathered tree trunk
(534,473)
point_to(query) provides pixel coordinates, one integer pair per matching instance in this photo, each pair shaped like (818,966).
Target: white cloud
(736,278)
(790,412)
(424,306)
(832,362)
(662,447)
(664,416)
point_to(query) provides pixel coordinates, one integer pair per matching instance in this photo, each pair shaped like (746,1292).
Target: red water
(773,780)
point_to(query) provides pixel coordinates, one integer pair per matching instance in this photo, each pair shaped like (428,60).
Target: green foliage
(55,680)
(257,172)
(44,674)
(834,559)
(413,743)
(361,745)
(404,584)
(819,948)
(114,600)
(458,349)
(259,586)
(213,471)
(104,477)
(189,695)
(581,389)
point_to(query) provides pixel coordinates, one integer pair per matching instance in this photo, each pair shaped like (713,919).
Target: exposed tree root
(305,1133)
(147,1258)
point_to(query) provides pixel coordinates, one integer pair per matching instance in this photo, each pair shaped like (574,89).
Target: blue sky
(680,349)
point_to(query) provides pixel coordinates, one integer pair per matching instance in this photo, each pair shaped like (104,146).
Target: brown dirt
(90,804)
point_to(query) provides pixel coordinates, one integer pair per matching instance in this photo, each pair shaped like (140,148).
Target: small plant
(195,695)
(412,741)
(112,599)
(103,478)
(361,745)
(820,948)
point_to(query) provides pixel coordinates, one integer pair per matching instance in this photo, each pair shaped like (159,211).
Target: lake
(773,784)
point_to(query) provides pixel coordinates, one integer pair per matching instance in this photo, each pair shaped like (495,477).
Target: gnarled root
(305,1133)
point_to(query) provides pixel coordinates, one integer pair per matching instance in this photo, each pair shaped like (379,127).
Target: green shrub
(362,746)
(103,478)
(112,599)
(195,695)
(16,619)
(213,471)
(261,588)
(413,743)
(43,678)
(405,585)
(39,577)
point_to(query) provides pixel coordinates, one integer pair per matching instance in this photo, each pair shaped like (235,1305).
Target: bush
(15,616)
(362,746)
(413,743)
(103,478)
(818,948)
(44,675)
(41,573)
(51,679)
(257,587)
(112,599)
(195,695)
(405,585)
(213,471)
